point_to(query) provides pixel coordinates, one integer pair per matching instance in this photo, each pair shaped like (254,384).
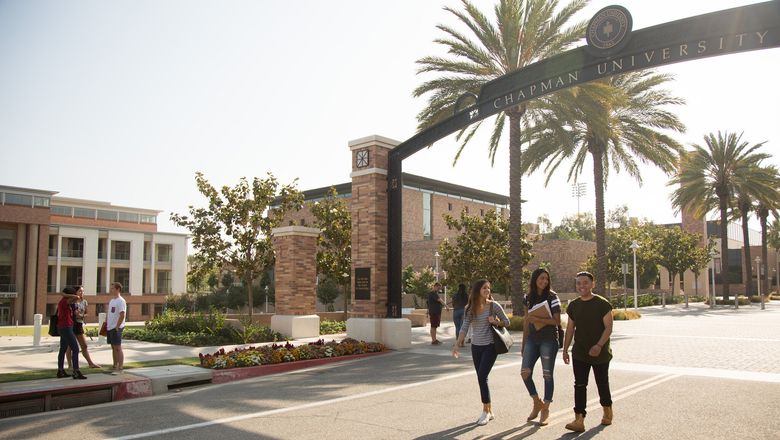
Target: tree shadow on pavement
(449,433)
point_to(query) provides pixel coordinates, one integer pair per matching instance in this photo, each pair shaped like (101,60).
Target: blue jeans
(484,356)
(68,339)
(457,318)
(547,350)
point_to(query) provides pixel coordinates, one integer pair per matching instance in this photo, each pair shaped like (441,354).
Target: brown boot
(544,417)
(578,425)
(607,418)
(538,405)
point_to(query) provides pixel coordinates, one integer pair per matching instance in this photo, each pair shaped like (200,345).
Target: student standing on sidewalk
(590,323)
(482,313)
(115,323)
(540,343)
(79,308)
(67,337)
(435,304)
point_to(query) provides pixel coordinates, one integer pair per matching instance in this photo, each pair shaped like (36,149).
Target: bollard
(37,319)
(101,319)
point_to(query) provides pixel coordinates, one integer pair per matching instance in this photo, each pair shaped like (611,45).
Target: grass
(625,315)
(52,373)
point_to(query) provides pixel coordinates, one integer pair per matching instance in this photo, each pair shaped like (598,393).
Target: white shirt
(115,307)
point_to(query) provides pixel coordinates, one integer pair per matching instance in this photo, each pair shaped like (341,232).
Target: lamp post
(266,299)
(634,247)
(758,278)
(712,296)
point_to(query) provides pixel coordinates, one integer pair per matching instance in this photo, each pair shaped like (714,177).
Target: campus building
(49,242)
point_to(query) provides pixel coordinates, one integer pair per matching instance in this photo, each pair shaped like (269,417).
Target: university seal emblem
(608,30)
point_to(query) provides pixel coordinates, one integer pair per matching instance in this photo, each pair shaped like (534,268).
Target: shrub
(330,327)
(743,301)
(516,323)
(625,315)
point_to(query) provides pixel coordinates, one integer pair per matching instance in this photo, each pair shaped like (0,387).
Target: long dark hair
(474,296)
(461,289)
(533,293)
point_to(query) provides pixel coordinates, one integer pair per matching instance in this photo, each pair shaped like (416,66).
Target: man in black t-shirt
(435,305)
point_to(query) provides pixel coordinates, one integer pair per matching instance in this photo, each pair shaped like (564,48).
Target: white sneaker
(483,419)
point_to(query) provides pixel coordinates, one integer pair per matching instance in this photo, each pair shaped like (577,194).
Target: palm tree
(763,208)
(525,31)
(707,180)
(615,122)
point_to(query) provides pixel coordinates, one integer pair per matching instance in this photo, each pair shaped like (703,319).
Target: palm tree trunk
(724,247)
(746,252)
(762,216)
(601,233)
(515,214)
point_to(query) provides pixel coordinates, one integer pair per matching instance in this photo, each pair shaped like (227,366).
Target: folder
(541,310)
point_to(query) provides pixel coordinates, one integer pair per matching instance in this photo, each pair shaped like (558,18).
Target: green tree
(619,251)
(420,283)
(327,292)
(708,178)
(699,261)
(676,250)
(234,230)
(525,31)
(480,250)
(618,123)
(334,252)
(575,227)
(773,239)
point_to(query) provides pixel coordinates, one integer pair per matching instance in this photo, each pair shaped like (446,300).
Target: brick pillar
(295,270)
(369,225)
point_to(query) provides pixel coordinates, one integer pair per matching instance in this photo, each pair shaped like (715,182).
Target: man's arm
(607,319)
(120,320)
(570,326)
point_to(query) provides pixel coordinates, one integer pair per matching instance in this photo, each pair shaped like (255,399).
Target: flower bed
(276,354)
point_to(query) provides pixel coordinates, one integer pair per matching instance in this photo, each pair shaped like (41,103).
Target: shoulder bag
(501,337)
(53,330)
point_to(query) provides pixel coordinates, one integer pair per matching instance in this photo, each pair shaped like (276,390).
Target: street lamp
(634,247)
(436,255)
(758,278)
(266,299)
(713,254)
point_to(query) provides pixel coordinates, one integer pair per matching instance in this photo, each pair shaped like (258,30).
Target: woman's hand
(566,357)
(531,319)
(455,352)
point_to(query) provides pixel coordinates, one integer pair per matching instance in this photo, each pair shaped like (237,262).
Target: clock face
(362,158)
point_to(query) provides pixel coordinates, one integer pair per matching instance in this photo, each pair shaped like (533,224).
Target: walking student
(459,301)
(481,313)
(540,343)
(115,323)
(590,323)
(67,337)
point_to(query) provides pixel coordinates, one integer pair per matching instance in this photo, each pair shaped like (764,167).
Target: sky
(123,101)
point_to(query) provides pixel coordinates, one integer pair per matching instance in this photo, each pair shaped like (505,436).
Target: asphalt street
(677,373)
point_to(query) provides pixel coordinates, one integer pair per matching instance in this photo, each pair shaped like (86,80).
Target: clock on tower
(362,158)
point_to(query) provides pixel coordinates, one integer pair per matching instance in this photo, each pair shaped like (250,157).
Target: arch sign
(612,48)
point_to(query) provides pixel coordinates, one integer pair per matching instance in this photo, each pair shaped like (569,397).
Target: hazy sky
(123,101)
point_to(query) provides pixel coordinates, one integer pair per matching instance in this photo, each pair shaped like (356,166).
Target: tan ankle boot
(578,425)
(607,418)
(544,417)
(538,405)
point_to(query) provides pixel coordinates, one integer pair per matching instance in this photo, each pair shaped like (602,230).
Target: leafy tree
(699,261)
(334,252)
(619,251)
(575,227)
(327,292)
(421,283)
(767,202)
(677,250)
(234,230)
(480,250)
(773,239)
(708,178)
(525,31)
(618,123)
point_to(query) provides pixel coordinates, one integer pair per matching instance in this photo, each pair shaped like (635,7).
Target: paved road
(677,373)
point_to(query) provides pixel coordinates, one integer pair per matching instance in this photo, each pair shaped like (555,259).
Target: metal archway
(612,49)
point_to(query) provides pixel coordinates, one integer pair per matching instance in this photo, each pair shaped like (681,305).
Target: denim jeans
(484,356)
(581,373)
(68,339)
(457,318)
(546,349)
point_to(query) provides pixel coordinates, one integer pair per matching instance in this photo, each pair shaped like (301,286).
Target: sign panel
(362,283)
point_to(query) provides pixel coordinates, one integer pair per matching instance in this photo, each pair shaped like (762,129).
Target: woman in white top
(482,313)
(79,312)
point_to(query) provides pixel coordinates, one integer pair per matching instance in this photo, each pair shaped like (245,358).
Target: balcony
(121,255)
(7,288)
(53,252)
(73,253)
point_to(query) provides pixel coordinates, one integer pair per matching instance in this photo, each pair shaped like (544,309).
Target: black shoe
(77,375)
(62,373)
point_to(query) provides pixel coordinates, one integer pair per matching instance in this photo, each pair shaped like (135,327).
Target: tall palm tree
(773,240)
(525,31)
(615,122)
(763,208)
(707,180)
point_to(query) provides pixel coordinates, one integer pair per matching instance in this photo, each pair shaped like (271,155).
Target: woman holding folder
(540,340)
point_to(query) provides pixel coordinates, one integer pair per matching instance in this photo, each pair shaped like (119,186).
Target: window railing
(121,255)
(164,288)
(164,258)
(7,288)
(51,288)
(52,252)
(73,253)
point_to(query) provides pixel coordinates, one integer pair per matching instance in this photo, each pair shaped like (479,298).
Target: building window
(128,217)
(158,309)
(164,253)
(84,212)
(101,248)
(427,216)
(148,219)
(73,247)
(106,215)
(100,283)
(100,308)
(145,309)
(163,281)
(481,212)
(121,250)
(303,222)
(18,199)
(42,202)
(7,260)
(122,276)
(73,276)
(65,211)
